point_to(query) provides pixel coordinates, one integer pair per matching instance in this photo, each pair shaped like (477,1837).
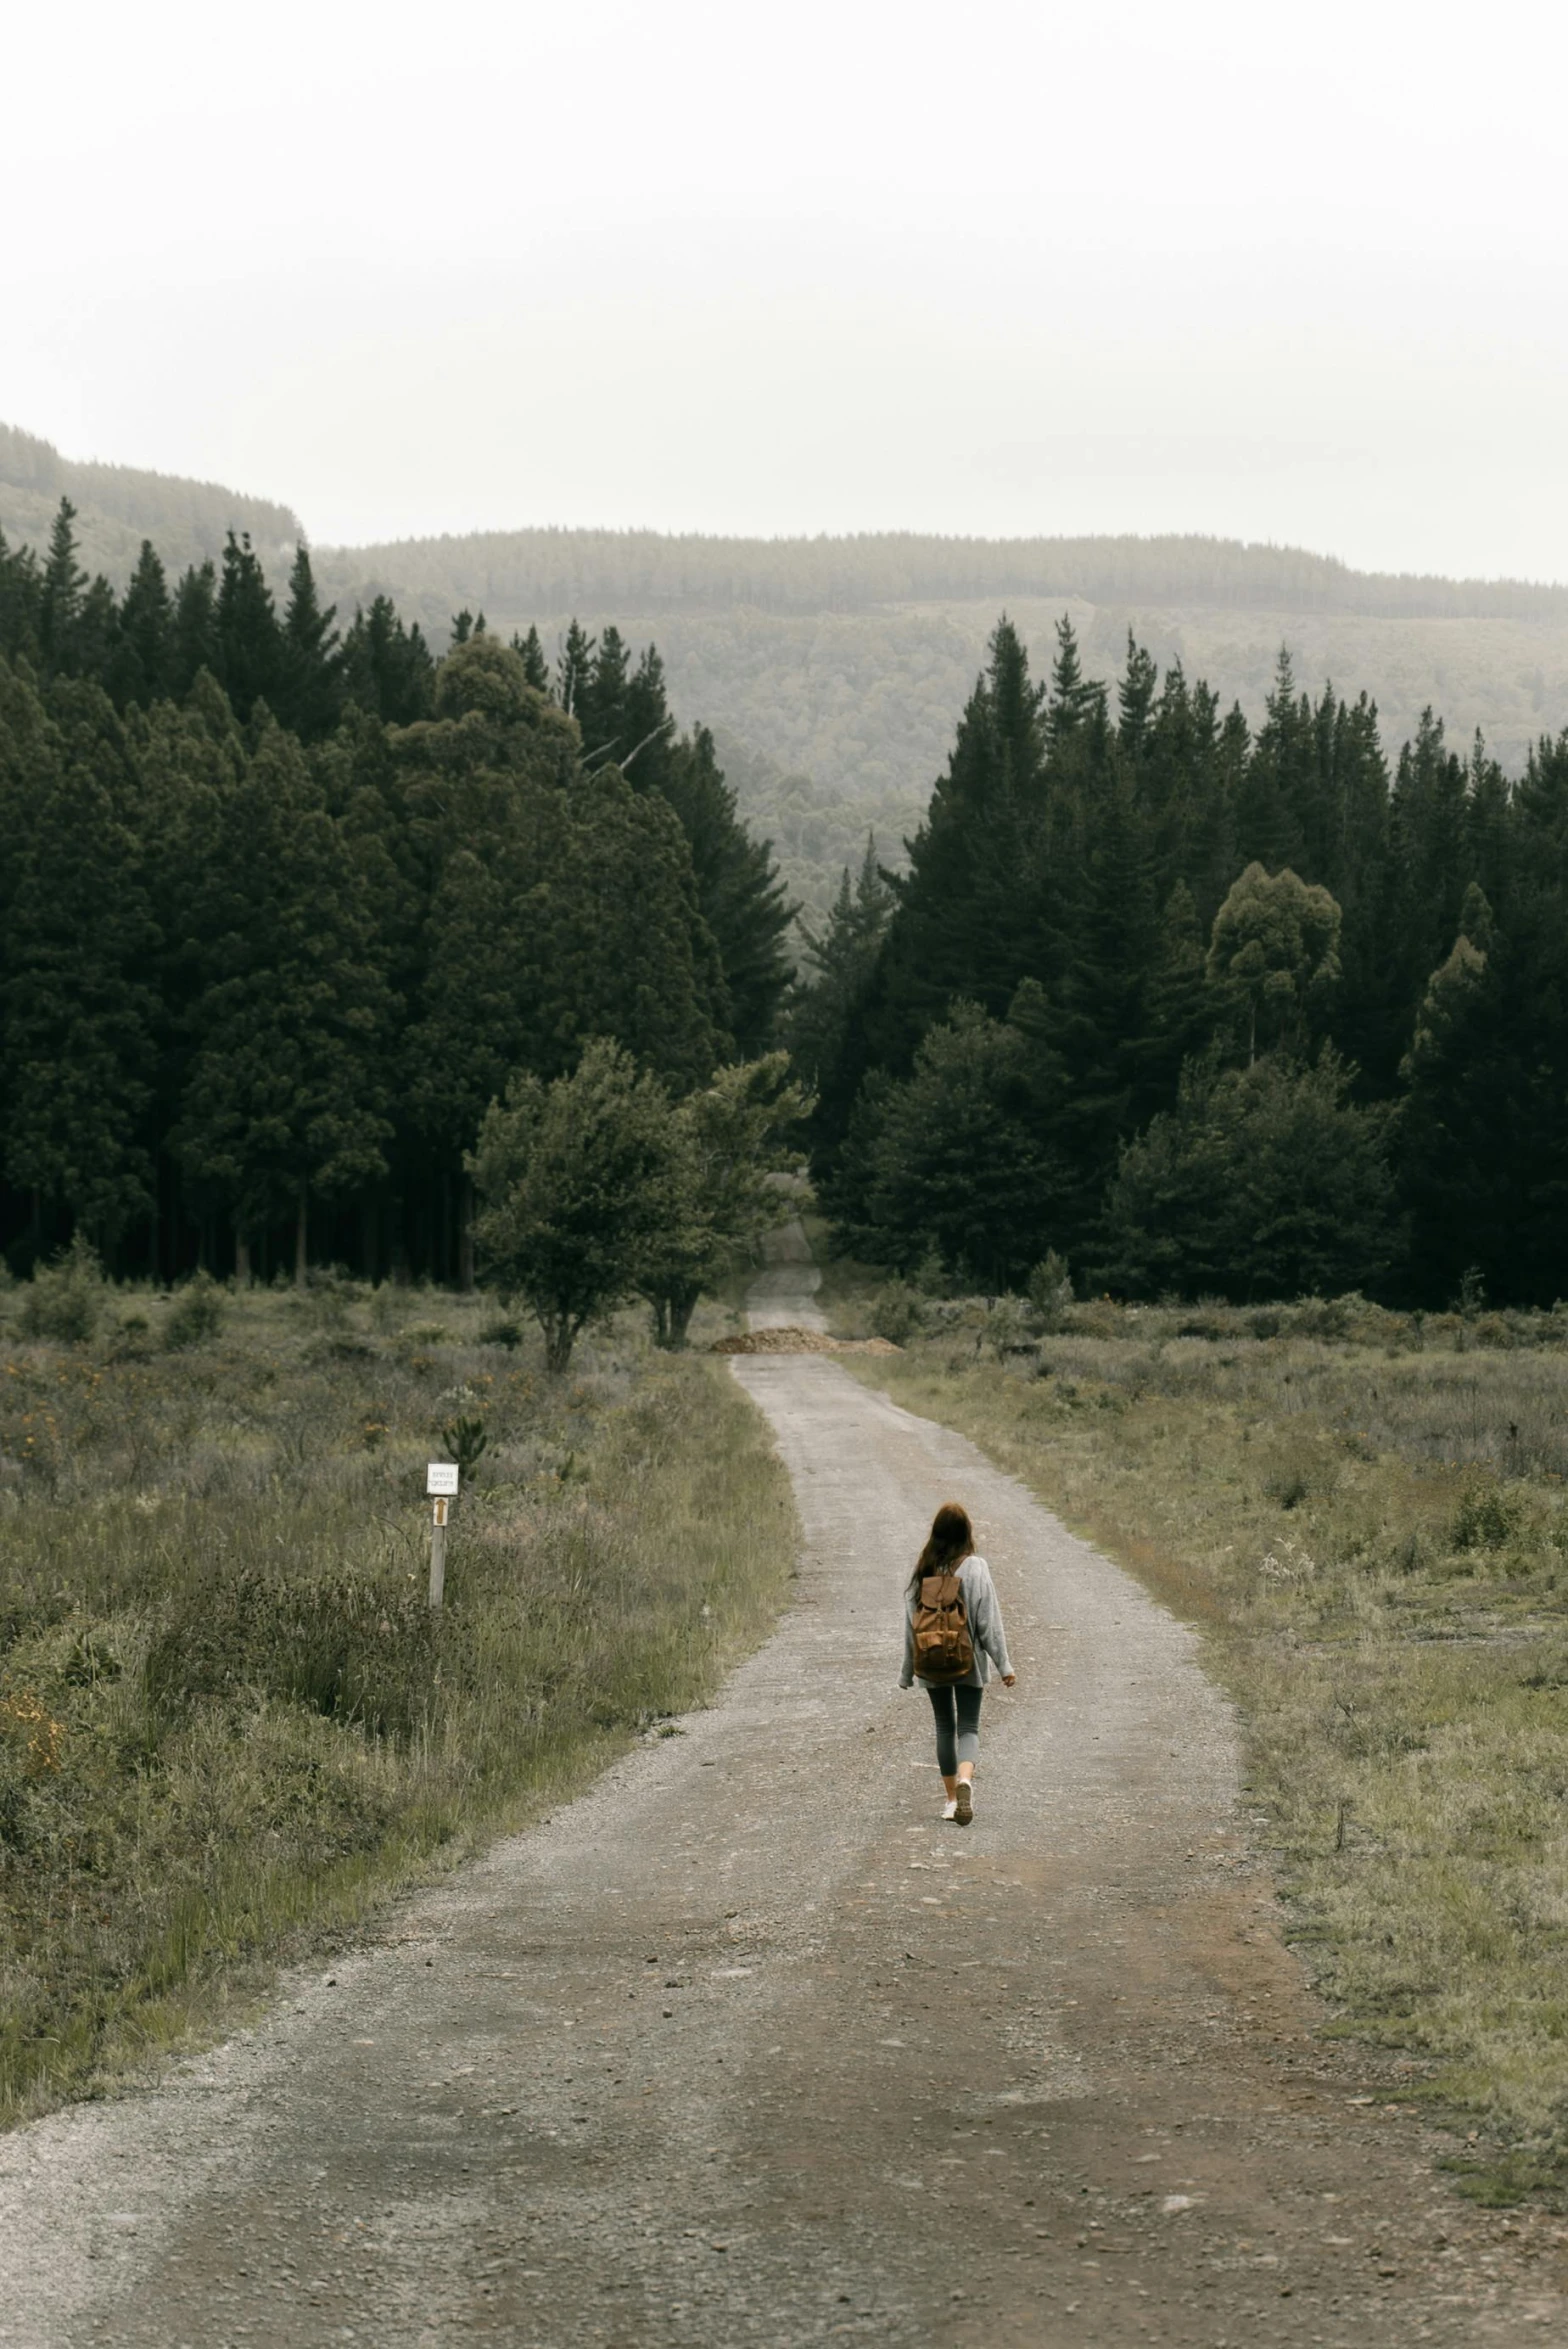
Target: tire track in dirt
(745,2046)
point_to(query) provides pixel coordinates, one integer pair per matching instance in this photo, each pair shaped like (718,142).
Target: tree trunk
(241,1257)
(681,1308)
(559,1337)
(672,1314)
(302,1237)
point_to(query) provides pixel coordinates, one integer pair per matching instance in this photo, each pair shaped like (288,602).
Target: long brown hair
(950,1541)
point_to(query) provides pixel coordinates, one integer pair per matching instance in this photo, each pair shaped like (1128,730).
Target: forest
(1193,1010)
(285,908)
(1163,1003)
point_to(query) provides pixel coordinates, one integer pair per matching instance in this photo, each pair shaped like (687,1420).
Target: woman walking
(952,1636)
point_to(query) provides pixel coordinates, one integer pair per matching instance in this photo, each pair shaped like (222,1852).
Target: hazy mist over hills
(832,669)
(119,505)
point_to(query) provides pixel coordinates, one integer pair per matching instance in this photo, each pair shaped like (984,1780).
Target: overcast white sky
(1294,274)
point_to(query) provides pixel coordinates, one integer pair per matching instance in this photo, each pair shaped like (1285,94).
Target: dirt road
(746,2046)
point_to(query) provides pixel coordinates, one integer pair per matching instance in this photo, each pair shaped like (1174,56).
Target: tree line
(307,933)
(284,909)
(558,570)
(1202,1009)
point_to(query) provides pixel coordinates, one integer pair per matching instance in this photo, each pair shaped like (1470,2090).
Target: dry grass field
(1366,1515)
(228,1724)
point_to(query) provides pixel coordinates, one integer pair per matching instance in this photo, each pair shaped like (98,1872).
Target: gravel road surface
(746,2046)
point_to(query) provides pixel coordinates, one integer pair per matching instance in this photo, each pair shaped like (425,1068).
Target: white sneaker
(950,1810)
(964,1808)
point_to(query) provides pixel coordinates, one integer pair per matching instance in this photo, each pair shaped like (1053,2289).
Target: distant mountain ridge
(560,570)
(833,670)
(120,505)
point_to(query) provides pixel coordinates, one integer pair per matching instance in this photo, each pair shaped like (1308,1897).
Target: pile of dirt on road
(790,1340)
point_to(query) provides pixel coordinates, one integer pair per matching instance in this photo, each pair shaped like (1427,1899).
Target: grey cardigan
(984,1612)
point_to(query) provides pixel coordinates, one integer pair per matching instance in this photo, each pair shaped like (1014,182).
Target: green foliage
(268,951)
(580,1188)
(1263,1182)
(1274,957)
(1486,1519)
(956,1161)
(1050,1287)
(65,1300)
(466,1439)
(731,1142)
(195,1316)
(895,1312)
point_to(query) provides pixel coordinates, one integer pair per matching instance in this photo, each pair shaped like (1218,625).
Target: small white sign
(441,1476)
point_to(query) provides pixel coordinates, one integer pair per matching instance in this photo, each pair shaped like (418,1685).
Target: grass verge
(1373,1539)
(228,1724)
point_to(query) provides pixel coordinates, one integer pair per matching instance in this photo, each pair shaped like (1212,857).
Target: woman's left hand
(1008,1679)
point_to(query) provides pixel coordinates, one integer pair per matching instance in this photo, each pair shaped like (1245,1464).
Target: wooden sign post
(441,1485)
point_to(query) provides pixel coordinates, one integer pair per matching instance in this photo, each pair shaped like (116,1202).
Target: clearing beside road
(746,2045)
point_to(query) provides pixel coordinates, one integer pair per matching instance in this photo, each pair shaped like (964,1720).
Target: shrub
(895,1313)
(1050,1287)
(426,1333)
(1486,1519)
(1007,1326)
(502,1332)
(65,1299)
(196,1315)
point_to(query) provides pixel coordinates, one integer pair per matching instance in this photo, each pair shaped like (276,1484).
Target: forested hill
(831,670)
(544,570)
(117,506)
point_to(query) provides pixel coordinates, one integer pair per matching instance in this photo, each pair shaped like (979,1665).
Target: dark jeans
(957,1713)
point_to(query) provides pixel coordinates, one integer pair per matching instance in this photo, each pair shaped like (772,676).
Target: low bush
(65,1300)
(195,1315)
(895,1312)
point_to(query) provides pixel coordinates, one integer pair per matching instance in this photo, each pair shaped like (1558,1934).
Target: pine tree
(975,907)
(310,689)
(386,669)
(289,1077)
(76,1015)
(146,664)
(1179,1012)
(250,643)
(574,675)
(951,1159)
(21,602)
(196,641)
(740,897)
(1074,704)
(1279,777)
(96,647)
(599,700)
(1135,699)
(60,603)
(535,667)
(1428,856)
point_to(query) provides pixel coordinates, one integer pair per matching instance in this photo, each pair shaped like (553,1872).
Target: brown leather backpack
(944,1650)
